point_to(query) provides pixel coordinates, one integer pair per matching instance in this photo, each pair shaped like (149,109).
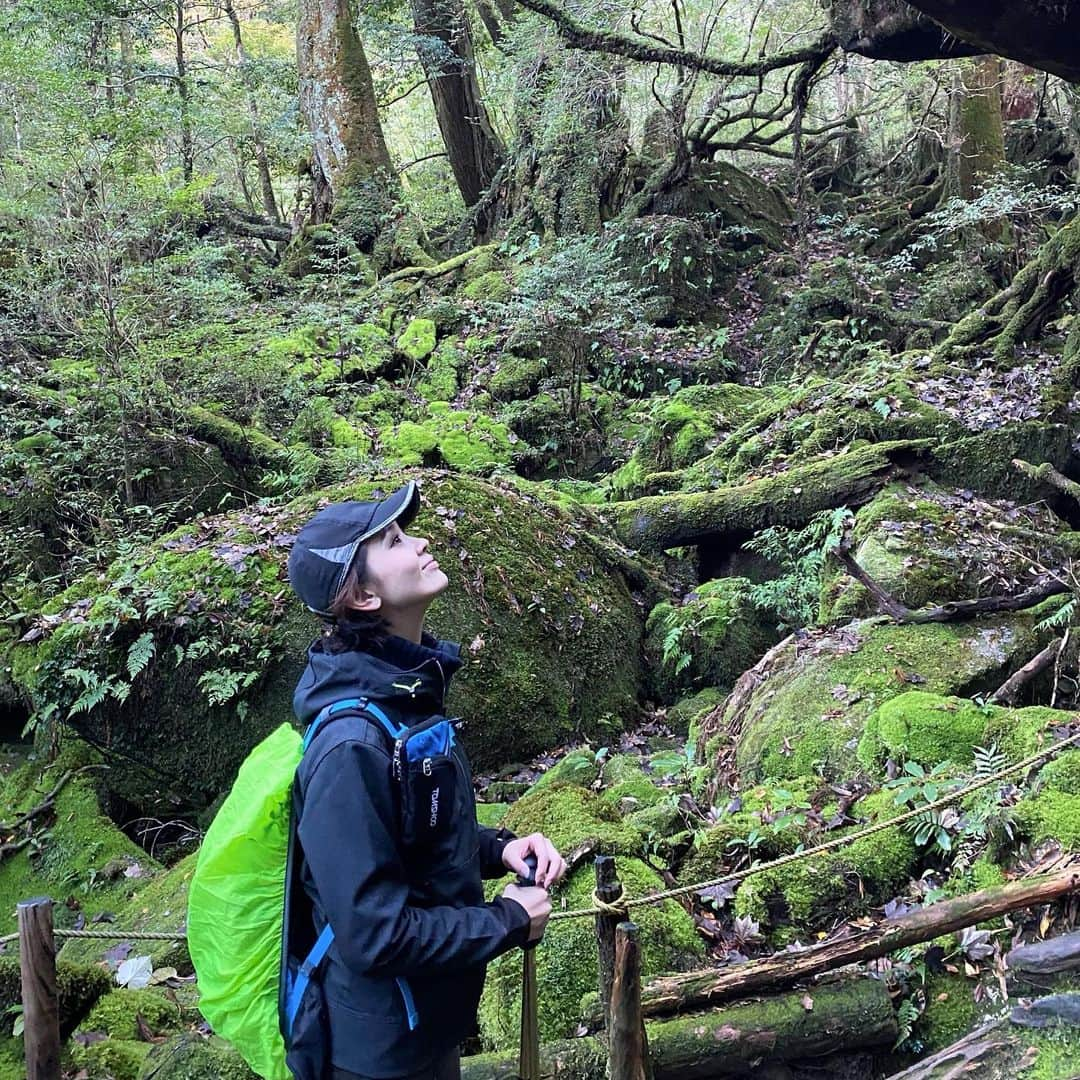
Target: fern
(988,761)
(906,1016)
(1060,618)
(140,654)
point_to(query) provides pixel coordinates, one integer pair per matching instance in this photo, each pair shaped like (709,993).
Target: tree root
(426,273)
(1007,692)
(1024,306)
(1047,474)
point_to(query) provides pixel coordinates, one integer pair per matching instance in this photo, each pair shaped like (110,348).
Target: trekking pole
(529,1050)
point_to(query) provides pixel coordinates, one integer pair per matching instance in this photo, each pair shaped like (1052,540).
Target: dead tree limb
(1007,692)
(670,994)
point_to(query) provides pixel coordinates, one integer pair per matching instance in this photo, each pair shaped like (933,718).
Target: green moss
(1058,1054)
(515,377)
(1052,815)
(117,1059)
(117,1013)
(12,1060)
(417,340)
(624,778)
(492,286)
(717,627)
(566,958)
(568,816)
(1062,773)
(82,854)
(158,903)
(78,987)
(440,381)
(578,767)
(813,893)
(951,1011)
(490,815)
(686,714)
(929,729)
(239,443)
(467,441)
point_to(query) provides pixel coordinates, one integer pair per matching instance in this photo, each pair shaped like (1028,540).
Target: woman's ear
(368,601)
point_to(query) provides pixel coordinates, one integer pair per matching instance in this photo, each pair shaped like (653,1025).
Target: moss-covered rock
(951,1011)
(440,381)
(929,728)
(207,624)
(681,429)
(79,986)
(580,767)
(191,1056)
(417,340)
(471,442)
(813,695)
(493,286)
(515,377)
(710,639)
(685,715)
(569,816)
(929,545)
(110,1059)
(117,1013)
(566,958)
(624,777)
(1053,812)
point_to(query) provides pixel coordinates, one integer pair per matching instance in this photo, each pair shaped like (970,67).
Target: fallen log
(733,1041)
(670,994)
(657,522)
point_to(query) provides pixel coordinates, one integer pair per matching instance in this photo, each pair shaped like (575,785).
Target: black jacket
(406,924)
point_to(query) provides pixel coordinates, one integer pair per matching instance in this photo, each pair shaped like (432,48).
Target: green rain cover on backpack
(235,904)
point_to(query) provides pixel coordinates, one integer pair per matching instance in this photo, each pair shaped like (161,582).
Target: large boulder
(185,654)
(803,709)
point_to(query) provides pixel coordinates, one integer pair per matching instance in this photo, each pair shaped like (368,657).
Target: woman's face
(401,571)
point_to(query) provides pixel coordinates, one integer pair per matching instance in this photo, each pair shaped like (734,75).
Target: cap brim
(402,506)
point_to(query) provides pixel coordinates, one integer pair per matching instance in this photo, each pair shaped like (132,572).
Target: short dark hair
(349,628)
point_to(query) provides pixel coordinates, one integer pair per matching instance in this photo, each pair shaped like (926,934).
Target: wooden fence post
(37,966)
(628,1047)
(608,889)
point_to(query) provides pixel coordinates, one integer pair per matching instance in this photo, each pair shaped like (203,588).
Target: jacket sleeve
(492,842)
(348,832)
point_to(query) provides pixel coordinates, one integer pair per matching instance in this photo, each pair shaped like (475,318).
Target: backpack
(249,926)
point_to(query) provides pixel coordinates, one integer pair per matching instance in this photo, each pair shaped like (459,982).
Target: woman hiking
(394,870)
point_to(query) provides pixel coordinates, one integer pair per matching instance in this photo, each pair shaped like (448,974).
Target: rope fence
(621,906)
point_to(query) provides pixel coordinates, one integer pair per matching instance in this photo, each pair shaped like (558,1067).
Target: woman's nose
(421,545)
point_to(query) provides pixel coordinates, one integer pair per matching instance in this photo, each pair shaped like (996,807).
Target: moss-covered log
(728,1042)
(658,522)
(697,989)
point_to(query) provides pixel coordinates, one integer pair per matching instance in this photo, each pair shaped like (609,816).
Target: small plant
(916,787)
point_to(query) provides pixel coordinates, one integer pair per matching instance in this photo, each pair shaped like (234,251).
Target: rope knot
(616,908)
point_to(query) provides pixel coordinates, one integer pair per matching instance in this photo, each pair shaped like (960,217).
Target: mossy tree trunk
(351,167)
(976,135)
(446,52)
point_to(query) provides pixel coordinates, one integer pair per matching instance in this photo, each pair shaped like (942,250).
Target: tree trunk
(183,90)
(262,164)
(734,1041)
(446,53)
(351,168)
(977,138)
(669,994)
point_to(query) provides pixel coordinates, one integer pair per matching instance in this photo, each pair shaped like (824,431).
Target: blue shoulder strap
(295,988)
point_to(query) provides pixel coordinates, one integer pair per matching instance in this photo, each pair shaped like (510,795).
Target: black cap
(326,546)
